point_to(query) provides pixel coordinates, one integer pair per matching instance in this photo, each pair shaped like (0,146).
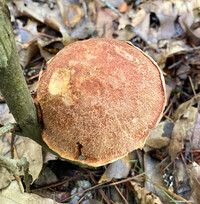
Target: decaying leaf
(184,109)
(125,34)
(12,195)
(195,143)
(44,14)
(24,147)
(195,182)
(104,24)
(155,175)
(181,179)
(144,196)
(183,128)
(71,13)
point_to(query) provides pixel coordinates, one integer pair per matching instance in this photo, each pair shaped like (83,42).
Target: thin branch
(109,5)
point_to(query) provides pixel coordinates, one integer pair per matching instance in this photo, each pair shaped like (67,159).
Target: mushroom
(99,99)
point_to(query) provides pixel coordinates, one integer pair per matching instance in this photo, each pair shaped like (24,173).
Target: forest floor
(167,169)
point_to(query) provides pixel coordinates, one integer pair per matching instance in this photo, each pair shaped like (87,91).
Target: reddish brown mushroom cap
(99,98)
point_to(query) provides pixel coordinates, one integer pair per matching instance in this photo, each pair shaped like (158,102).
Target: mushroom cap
(99,99)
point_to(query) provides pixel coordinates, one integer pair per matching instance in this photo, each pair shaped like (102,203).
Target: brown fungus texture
(99,99)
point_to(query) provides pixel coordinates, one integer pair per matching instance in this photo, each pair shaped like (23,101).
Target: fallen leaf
(46,177)
(195,182)
(44,14)
(115,3)
(144,196)
(24,146)
(170,84)
(125,34)
(83,31)
(181,179)
(71,13)
(104,23)
(183,128)
(184,109)
(195,142)
(155,175)
(118,169)
(159,137)
(182,71)
(13,195)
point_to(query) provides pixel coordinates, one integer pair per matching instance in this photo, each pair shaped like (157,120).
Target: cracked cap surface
(99,98)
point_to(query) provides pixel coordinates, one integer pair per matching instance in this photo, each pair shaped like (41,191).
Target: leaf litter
(167,168)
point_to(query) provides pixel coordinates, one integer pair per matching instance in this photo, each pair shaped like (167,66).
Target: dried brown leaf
(71,13)
(24,146)
(104,24)
(195,182)
(144,196)
(159,137)
(13,195)
(195,143)
(183,128)
(44,14)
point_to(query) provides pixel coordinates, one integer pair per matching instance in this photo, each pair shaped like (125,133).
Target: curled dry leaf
(44,14)
(184,109)
(71,13)
(45,52)
(170,85)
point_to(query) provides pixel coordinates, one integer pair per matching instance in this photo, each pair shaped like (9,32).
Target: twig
(85,10)
(106,184)
(13,149)
(37,33)
(101,192)
(54,184)
(193,89)
(121,194)
(167,191)
(79,201)
(8,128)
(170,104)
(109,5)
